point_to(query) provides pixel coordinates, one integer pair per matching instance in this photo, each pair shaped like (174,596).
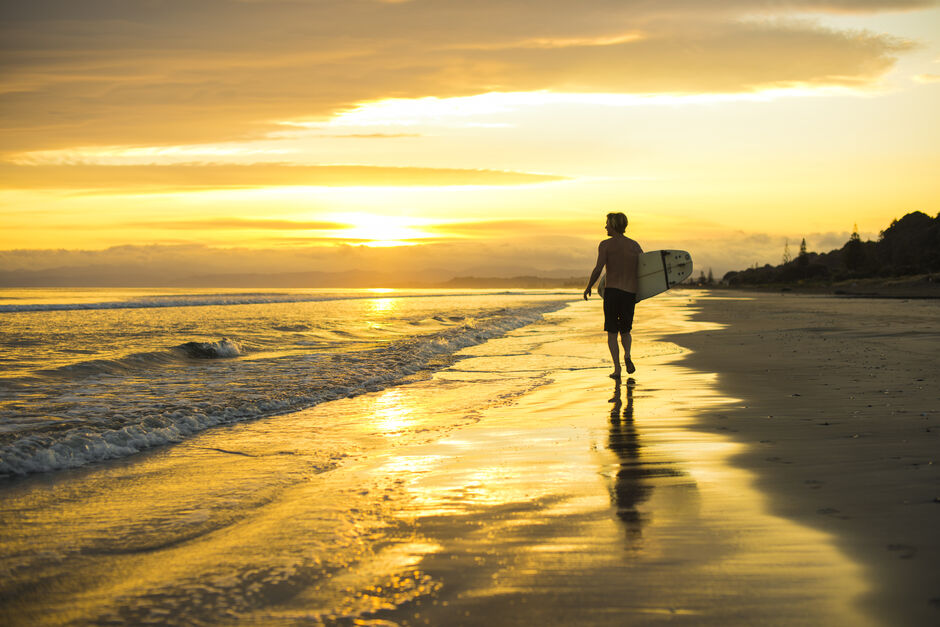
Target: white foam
(224,348)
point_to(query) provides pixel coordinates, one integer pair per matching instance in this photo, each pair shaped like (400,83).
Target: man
(620,255)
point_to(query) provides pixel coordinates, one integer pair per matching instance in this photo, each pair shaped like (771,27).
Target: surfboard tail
(661,270)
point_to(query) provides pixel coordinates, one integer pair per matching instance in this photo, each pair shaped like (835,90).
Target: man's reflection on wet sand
(629,488)
(635,477)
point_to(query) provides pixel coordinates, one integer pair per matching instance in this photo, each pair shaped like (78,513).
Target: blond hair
(617,221)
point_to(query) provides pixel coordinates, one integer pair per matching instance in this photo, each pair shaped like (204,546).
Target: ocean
(88,375)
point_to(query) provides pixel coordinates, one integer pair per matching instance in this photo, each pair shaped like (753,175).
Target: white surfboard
(658,270)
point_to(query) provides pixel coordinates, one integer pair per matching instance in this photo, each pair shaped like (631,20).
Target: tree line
(909,246)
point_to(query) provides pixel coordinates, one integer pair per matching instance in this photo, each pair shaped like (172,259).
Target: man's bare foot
(630,367)
(615,375)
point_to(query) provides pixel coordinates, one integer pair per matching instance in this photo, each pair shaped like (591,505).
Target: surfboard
(658,270)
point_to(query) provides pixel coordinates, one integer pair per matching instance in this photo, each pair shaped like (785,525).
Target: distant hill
(908,247)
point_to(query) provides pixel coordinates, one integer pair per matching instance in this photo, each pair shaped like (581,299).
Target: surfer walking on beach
(620,256)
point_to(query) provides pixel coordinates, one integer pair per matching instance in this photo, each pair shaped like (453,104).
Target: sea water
(90,375)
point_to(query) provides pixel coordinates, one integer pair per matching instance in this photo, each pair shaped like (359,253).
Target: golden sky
(473,135)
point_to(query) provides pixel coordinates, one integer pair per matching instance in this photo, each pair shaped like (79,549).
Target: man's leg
(627,341)
(614,352)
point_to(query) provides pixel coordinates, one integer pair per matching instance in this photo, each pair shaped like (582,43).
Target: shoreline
(841,425)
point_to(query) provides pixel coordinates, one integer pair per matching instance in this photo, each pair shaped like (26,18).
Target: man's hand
(587,292)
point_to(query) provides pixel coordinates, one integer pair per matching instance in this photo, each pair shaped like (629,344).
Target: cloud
(497,229)
(234,223)
(372,135)
(740,250)
(100,72)
(138,178)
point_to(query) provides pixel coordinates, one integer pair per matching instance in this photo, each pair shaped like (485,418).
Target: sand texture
(840,409)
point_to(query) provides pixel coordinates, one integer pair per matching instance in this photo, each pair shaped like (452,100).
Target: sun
(381,230)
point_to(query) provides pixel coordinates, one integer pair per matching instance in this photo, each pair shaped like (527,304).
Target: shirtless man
(620,254)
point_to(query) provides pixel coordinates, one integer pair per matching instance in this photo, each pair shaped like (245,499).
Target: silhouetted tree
(908,246)
(803,258)
(853,253)
(911,245)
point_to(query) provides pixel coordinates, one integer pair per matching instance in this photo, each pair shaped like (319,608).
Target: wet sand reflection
(632,483)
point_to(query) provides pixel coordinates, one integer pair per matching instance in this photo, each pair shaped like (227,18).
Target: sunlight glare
(391,415)
(378,230)
(382,305)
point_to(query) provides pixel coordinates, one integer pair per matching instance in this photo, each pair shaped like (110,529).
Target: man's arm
(598,267)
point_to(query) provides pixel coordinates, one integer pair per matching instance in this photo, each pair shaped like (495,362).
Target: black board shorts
(618,310)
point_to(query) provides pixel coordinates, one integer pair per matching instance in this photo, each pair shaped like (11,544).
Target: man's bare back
(620,255)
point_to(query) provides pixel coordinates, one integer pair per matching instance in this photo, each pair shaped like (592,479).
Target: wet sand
(520,485)
(840,411)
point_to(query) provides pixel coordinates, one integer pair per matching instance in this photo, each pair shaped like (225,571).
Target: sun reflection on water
(382,305)
(391,415)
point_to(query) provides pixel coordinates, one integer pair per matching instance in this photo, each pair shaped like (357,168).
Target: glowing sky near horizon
(722,128)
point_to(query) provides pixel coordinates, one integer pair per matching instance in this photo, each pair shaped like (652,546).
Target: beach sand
(521,485)
(840,412)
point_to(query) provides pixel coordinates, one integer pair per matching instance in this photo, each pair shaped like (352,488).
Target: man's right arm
(598,267)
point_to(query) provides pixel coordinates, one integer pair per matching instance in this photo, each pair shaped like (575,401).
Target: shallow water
(90,375)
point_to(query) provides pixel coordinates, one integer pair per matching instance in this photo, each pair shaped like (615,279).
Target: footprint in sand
(904,551)
(830,511)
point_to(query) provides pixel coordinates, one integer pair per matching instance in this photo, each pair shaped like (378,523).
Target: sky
(447,137)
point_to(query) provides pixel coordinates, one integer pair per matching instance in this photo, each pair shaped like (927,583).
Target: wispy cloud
(235,223)
(142,178)
(505,229)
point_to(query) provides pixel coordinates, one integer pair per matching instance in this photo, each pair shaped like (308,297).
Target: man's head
(617,222)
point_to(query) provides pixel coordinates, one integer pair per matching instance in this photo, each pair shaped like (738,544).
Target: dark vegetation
(909,247)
